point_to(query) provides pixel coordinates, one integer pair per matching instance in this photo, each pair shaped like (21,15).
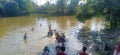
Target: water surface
(12,30)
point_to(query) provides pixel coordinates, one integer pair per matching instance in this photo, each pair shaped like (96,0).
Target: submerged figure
(83,51)
(25,36)
(46,51)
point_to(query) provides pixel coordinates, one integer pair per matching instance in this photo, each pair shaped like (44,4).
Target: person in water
(58,38)
(83,51)
(40,25)
(57,48)
(117,50)
(61,52)
(25,36)
(46,51)
(63,38)
(32,29)
(50,32)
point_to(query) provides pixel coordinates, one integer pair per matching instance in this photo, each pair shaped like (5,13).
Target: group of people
(60,41)
(46,51)
(60,47)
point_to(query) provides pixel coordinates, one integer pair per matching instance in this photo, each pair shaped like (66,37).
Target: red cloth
(61,53)
(83,53)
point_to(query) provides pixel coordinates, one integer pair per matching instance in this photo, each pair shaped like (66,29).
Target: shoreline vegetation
(82,11)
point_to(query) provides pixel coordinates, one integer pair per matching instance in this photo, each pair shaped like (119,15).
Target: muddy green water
(12,30)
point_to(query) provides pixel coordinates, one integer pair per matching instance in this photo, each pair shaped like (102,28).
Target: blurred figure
(58,38)
(49,27)
(25,36)
(32,29)
(57,48)
(61,52)
(50,32)
(63,38)
(46,51)
(40,25)
(117,50)
(83,51)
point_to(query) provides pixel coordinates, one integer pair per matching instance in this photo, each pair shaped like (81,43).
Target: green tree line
(24,7)
(62,7)
(106,8)
(16,7)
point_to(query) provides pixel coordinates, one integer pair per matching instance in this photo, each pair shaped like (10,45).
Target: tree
(26,6)
(107,8)
(72,7)
(60,5)
(11,9)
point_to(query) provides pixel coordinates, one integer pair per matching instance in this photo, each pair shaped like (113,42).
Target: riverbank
(102,42)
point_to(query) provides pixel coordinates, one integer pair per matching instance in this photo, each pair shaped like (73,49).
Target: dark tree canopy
(16,7)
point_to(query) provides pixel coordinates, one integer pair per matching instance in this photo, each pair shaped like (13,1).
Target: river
(12,30)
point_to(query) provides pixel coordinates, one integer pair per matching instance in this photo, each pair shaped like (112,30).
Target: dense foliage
(107,8)
(62,7)
(16,7)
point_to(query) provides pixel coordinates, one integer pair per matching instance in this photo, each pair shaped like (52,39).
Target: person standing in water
(61,52)
(25,36)
(58,38)
(63,38)
(32,29)
(50,32)
(84,51)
